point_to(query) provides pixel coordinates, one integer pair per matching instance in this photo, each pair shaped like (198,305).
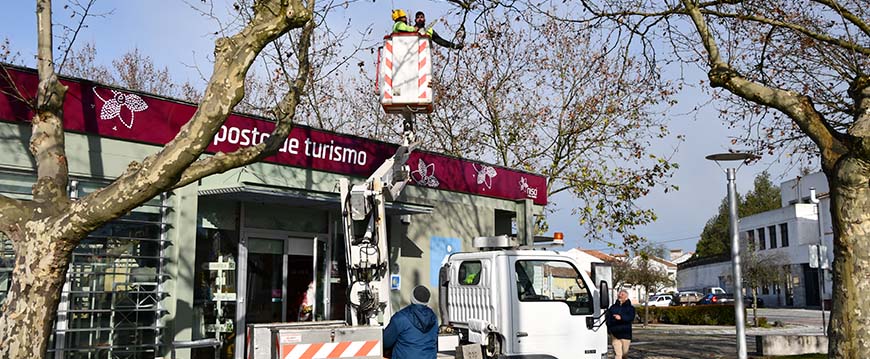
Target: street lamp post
(737,278)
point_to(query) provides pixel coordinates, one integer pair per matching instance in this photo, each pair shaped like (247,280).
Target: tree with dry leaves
(641,271)
(548,98)
(795,75)
(759,270)
(45,230)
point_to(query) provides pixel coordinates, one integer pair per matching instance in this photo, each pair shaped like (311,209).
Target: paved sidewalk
(670,341)
(726,330)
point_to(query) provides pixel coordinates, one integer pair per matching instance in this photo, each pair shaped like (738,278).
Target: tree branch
(75,33)
(285,112)
(791,26)
(161,171)
(799,108)
(47,140)
(846,14)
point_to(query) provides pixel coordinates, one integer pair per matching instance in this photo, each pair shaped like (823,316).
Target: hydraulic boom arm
(364,216)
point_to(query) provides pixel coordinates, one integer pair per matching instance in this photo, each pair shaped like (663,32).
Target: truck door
(551,301)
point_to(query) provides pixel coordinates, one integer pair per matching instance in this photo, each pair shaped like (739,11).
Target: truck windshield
(553,281)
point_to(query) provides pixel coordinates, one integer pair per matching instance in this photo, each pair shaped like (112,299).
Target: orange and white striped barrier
(353,349)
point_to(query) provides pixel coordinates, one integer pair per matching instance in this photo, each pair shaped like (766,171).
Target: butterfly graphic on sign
(112,108)
(425,174)
(484,175)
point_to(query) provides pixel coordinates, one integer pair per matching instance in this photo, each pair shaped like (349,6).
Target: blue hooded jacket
(413,333)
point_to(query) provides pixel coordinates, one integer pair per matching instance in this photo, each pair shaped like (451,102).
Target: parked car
(714,290)
(686,298)
(747,302)
(661,300)
(716,299)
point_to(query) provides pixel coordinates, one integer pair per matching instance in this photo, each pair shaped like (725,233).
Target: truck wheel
(492,349)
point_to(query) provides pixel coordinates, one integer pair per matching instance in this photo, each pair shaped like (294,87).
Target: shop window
(783,234)
(771,231)
(111,300)
(469,273)
(765,290)
(115,283)
(505,223)
(761,242)
(553,281)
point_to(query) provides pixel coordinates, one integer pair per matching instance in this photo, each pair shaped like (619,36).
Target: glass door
(322,266)
(266,281)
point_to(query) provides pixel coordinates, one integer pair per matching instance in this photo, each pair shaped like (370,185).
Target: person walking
(619,319)
(420,25)
(413,331)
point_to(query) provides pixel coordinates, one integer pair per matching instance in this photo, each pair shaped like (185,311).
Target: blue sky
(176,36)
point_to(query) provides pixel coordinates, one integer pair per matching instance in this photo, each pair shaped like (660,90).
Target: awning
(248,192)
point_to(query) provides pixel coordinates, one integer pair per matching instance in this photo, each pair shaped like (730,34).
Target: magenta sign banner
(138,117)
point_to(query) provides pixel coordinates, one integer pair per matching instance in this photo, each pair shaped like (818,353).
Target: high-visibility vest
(400,26)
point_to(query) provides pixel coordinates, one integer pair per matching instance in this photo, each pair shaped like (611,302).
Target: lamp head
(733,156)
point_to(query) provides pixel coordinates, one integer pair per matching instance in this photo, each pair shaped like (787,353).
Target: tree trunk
(645,306)
(849,331)
(41,262)
(755,306)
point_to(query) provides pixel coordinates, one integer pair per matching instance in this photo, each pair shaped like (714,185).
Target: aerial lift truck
(486,312)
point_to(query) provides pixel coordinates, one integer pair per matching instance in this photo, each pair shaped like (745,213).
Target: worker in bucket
(400,22)
(420,25)
(413,331)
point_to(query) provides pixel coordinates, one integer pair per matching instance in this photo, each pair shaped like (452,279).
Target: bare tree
(758,270)
(44,231)
(547,97)
(133,70)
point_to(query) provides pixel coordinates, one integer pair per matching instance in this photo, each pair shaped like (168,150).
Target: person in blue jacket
(619,319)
(413,331)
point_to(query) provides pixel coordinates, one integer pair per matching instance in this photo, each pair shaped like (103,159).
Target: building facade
(257,244)
(786,236)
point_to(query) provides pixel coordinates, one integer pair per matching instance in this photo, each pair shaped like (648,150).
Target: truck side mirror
(602,273)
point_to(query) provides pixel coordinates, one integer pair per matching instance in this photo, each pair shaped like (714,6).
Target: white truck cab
(521,303)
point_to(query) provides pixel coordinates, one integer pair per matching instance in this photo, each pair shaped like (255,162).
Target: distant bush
(693,315)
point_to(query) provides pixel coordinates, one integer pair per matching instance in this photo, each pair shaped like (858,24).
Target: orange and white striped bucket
(405,73)
(424,69)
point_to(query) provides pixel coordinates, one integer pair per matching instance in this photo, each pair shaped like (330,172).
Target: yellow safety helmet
(399,13)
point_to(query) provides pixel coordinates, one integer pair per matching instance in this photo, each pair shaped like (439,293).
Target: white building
(677,256)
(786,232)
(585,257)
